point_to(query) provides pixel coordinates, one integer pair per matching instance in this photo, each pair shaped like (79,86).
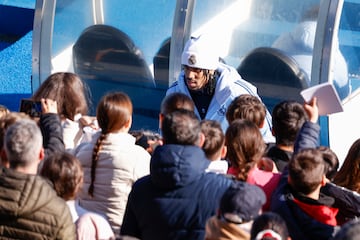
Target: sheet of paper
(328,100)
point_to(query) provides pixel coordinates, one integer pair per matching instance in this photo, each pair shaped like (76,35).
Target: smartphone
(30,107)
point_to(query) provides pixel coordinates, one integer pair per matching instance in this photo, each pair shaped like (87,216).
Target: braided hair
(113,113)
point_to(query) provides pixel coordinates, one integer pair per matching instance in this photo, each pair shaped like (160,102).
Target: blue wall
(16,23)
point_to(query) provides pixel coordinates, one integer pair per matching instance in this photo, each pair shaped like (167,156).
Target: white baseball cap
(200,52)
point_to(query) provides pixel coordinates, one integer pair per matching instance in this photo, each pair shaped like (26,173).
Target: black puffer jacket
(52,132)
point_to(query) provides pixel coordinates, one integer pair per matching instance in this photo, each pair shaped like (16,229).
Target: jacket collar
(177,165)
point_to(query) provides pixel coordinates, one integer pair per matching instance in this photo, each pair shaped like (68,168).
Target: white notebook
(328,100)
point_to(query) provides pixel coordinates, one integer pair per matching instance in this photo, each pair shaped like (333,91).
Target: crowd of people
(222,167)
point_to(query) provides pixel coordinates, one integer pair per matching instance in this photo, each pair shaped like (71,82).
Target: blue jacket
(347,201)
(301,226)
(229,85)
(176,199)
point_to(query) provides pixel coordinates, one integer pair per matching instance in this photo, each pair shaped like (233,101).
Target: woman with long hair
(112,161)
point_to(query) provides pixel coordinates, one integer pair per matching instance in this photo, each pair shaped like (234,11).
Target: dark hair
(113,112)
(270,221)
(176,101)
(349,231)
(287,119)
(68,90)
(306,170)
(245,146)
(248,107)
(214,138)
(331,162)
(349,174)
(65,173)
(181,127)
(143,136)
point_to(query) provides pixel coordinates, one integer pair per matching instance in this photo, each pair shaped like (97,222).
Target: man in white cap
(212,85)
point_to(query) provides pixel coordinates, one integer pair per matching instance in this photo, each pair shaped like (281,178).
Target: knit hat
(242,203)
(199,52)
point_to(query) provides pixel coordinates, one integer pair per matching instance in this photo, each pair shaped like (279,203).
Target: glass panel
(71,18)
(119,54)
(349,39)
(149,25)
(273,25)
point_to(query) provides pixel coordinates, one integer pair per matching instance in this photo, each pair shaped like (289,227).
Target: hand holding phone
(30,107)
(49,106)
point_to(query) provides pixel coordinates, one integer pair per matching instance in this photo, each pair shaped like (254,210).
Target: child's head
(287,119)
(114,112)
(245,146)
(269,226)
(214,144)
(173,102)
(331,162)
(307,171)
(176,101)
(349,231)
(248,107)
(241,203)
(66,174)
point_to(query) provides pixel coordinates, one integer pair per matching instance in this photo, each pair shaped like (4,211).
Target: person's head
(331,162)
(114,114)
(147,139)
(349,174)
(3,111)
(349,231)
(214,144)
(307,171)
(248,107)
(23,146)
(200,60)
(241,203)
(65,173)
(173,102)
(269,226)
(287,119)
(245,146)
(5,122)
(182,127)
(68,90)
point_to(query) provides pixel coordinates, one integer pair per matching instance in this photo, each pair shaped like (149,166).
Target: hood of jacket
(174,166)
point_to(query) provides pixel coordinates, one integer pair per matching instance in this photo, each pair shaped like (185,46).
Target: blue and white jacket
(229,85)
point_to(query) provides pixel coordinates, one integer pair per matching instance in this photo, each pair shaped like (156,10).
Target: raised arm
(308,136)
